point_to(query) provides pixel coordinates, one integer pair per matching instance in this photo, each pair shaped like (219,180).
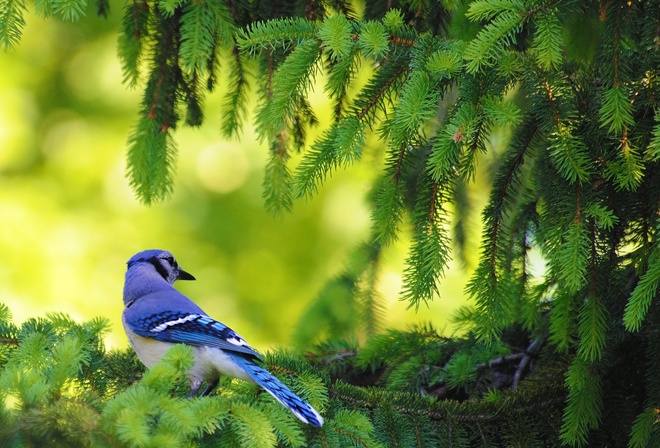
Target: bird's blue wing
(195,329)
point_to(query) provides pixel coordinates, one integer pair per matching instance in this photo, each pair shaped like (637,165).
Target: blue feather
(283,394)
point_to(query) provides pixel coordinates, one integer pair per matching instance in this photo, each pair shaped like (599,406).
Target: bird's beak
(183,275)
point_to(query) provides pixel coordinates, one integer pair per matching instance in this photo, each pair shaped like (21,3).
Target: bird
(157,316)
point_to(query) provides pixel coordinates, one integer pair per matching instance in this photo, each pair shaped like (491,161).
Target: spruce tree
(569,357)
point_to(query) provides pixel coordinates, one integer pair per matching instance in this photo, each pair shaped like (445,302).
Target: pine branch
(340,75)
(406,404)
(336,34)
(371,302)
(583,408)
(71,10)
(43,8)
(283,34)
(130,46)
(291,83)
(277,178)
(653,149)
(198,36)
(429,253)
(11,22)
(168,7)
(569,155)
(505,22)
(616,111)
(374,95)
(645,291)
(373,40)
(151,157)
(489,286)
(643,428)
(626,170)
(151,148)
(388,203)
(338,147)
(235,104)
(548,40)
(592,329)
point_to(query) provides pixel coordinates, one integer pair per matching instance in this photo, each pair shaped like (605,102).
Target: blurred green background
(69,222)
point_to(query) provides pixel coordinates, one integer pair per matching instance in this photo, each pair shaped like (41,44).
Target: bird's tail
(283,394)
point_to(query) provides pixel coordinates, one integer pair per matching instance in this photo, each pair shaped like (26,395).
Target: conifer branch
(378,97)
(236,101)
(429,253)
(11,22)
(440,412)
(615,46)
(541,8)
(644,292)
(531,351)
(151,151)
(131,40)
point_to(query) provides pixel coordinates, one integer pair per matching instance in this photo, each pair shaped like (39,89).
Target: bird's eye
(170,260)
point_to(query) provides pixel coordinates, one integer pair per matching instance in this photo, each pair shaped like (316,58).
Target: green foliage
(70,10)
(69,392)
(281,35)
(592,329)
(572,257)
(277,180)
(335,33)
(430,248)
(393,20)
(643,294)
(548,40)
(388,211)
(504,22)
(554,183)
(340,146)
(643,428)
(616,112)
(446,62)
(373,39)
(11,22)
(236,102)
(569,121)
(583,409)
(200,23)
(290,84)
(146,414)
(626,170)
(134,33)
(653,150)
(43,8)
(569,155)
(151,155)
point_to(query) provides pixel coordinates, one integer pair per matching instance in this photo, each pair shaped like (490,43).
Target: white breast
(149,350)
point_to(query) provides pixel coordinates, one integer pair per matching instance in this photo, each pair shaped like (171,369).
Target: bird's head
(162,262)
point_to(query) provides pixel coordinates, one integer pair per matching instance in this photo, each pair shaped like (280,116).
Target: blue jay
(157,316)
